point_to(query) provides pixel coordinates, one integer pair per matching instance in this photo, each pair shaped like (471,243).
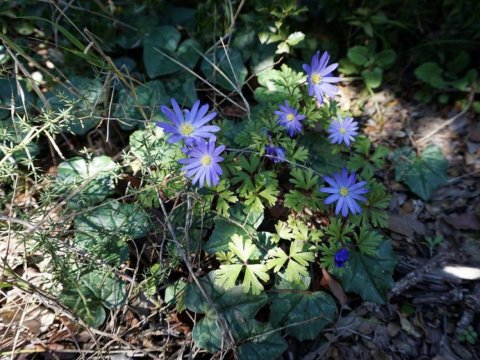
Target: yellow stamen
(343,130)
(206,160)
(316,78)
(290,117)
(186,129)
(343,191)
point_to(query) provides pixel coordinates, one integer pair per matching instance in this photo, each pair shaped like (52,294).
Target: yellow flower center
(206,160)
(290,117)
(186,129)
(316,78)
(343,191)
(343,130)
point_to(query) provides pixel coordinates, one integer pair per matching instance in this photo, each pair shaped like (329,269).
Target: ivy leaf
(241,222)
(424,173)
(369,276)
(98,172)
(102,231)
(237,308)
(229,71)
(320,158)
(91,294)
(134,107)
(166,39)
(175,294)
(303,314)
(264,343)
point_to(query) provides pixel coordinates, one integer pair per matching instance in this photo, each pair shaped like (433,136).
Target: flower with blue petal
(290,119)
(188,125)
(320,77)
(341,257)
(202,163)
(275,153)
(343,130)
(346,192)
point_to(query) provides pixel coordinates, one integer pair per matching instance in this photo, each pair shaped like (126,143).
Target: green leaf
(432,74)
(93,291)
(151,149)
(102,231)
(229,71)
(134,108)
(98,172)
(386,58)
(297,261)
(295,38)
(320,158)
(108,288)
(358,55)
(347,67)
(278,85)
(458,64)
(368,241)
(181,86)
(84,304)
(165,39)
(84,95)
(241,222)
(236,307)
(247,252)
(175,294)
(373,78)
(264,343)
(423,174)
(283,48)
(304,314)
(304,179)
(370,277)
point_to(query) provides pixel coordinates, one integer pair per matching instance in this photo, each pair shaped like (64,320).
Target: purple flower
(289,118)
(345,192)
(188,125)
(275,153)
(319,77)
(202,163)
(341,257)
(343,130)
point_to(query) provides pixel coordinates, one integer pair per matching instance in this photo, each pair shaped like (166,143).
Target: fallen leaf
(408,327)
(334,287)
(466,221)
(406,224)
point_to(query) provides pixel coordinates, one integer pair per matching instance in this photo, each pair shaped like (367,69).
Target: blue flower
(202,162)
(319,77)
(343,130)
(346,192)
(289,118)
(275,153)
(188,125)
(341,257)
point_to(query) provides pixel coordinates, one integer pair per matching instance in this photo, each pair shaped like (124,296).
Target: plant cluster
(274,192)
(265,190)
